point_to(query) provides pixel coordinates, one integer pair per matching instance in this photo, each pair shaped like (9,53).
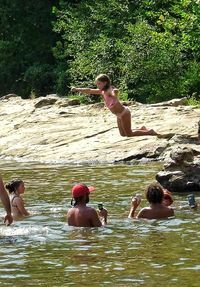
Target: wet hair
(154,193)
(76,200)
(79,199)
(13,185)
(103,78)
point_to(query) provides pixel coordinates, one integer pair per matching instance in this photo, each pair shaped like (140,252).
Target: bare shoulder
(116,91)
(18,199)
(91,210)
(70,211)
(143,212)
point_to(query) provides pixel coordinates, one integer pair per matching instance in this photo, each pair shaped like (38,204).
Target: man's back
(83,216)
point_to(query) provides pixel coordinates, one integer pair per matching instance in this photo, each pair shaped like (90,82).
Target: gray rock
(172,103)
(85,132)
(181,155)
(62,103)
(180,173)
(52,96)
(7,97)
(41,102)
(73,102)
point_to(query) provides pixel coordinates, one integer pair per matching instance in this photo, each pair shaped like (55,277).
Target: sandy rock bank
(52,130)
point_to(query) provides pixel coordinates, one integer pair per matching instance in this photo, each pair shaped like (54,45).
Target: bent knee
(129,135)
(122,134)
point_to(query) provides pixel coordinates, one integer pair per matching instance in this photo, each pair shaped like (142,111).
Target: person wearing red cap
(80,215)
(8,219)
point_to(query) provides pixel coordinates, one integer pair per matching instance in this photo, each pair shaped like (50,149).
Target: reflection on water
(43,251)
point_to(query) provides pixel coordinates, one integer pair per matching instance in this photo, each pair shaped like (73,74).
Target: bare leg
(142,128)
(126,125)
(121,130)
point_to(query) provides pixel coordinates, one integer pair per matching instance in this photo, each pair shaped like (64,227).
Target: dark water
(43,251)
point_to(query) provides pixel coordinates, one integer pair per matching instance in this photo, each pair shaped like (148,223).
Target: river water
(42,250)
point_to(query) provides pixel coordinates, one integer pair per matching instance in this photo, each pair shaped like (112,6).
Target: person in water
(80,215)
(167,198)
(16,188)
(156,210)
(8,219)
(123,114)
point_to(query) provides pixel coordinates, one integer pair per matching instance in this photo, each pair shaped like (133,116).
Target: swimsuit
(11,201)
(111,101)
(125,110)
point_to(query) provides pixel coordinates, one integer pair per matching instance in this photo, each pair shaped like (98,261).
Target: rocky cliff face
(52,129)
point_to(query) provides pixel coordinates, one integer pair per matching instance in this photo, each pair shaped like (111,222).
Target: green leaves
(151,49)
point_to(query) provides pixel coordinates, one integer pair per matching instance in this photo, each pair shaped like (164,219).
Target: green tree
(26,40)
(149,48)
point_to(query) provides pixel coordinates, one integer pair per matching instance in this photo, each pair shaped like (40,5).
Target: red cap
(79,190)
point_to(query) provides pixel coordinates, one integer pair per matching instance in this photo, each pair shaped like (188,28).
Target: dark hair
(13,185)
(154,193)
(104,78)
(76,200)
(79,199)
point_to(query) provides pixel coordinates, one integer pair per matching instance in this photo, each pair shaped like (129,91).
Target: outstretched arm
(6,202)
(87,91)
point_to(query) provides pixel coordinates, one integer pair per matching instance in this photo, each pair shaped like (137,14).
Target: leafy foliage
(150,49)
(26,46)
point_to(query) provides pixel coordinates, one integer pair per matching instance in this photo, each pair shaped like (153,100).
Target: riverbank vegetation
(150,49)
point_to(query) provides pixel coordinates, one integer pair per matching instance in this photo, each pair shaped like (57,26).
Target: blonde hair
(103,78)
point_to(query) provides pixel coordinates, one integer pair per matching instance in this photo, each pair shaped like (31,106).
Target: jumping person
(110,96)
(156,210)
(8,219)
(16,188)
(80,215)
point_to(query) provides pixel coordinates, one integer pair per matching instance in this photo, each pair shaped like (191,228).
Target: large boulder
(7,97)
(172,103)
(180,173)
(46,101)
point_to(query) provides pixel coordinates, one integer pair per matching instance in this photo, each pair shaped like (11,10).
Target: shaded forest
(150,49)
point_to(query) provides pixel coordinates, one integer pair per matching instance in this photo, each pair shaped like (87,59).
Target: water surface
(43,251)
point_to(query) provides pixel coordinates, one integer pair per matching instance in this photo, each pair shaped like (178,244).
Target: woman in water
(16,188)
(110,96)
(156,209)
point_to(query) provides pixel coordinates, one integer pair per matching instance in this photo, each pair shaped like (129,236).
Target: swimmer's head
(16,185)
(80,193)
(103,82)
(154,193)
